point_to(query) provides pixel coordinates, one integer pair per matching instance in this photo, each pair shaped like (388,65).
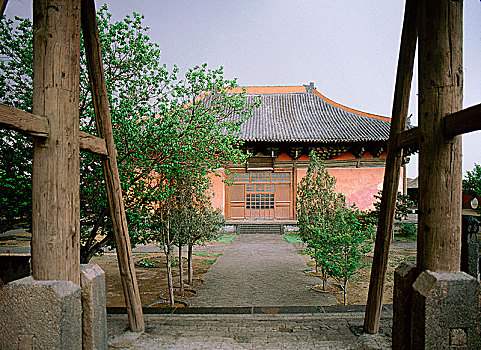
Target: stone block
(47,314)
(94,317)
(445,311)
(404,277)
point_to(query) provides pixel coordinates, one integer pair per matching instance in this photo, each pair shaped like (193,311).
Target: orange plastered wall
(218,188)
(359,185)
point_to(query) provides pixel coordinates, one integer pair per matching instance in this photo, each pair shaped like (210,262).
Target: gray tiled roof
(306,117)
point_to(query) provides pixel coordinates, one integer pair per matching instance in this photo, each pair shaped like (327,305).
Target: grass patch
(292,238)
(208,262)
(207,254)
(225,238)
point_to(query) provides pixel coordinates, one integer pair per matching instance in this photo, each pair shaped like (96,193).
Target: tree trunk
(168,253)
(181,272)
(190,266)
(324,279)
(344,289)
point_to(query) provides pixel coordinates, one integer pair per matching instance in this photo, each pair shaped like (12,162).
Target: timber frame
(438,27)
(54,126)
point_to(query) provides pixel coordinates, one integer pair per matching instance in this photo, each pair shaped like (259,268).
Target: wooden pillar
(55,178)
(440,174)
(109,166)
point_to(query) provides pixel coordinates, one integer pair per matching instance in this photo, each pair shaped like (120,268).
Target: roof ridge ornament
(310,87)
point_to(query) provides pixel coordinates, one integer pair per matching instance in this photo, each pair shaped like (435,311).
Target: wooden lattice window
(260,177)
(240,177)
(280,177)
(259,201)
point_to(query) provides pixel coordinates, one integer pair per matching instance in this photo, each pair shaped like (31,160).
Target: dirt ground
(152,281)
(358,287)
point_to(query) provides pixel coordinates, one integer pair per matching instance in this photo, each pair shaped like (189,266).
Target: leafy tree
(140,90)
(197,132)
(371,217)
(345,245)
(316,202)
(135,83)
(16,42)
(330,228)
(472,183)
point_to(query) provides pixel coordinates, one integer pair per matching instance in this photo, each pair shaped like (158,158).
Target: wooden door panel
(283,201)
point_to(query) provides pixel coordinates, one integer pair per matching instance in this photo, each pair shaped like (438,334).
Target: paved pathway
(259,270)
(300,331)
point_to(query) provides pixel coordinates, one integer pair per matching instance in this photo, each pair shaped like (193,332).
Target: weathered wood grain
(408,138)
(462,122)
(55,177)
(24,122)
(440,157)
(109,165)
(93,144)
(393,166)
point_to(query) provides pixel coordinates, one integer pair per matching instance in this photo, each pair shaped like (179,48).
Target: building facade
(291,122)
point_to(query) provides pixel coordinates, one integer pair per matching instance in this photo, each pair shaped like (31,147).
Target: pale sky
(348,48)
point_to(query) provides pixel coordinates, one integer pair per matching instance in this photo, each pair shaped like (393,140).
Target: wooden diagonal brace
(109,165)
(393,166)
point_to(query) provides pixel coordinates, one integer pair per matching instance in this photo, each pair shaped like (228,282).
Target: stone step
(260,229)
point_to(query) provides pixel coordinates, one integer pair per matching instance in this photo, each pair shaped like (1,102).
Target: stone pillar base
(94,317)
(445,311)
(40,315)
(404,277)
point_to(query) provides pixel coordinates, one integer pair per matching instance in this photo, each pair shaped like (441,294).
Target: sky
(348,48)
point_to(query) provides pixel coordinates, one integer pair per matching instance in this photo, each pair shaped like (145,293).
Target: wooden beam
(440,158)
(109,165)
(93,144)
(24,122)
(408,138)
(462,122)
(55,175)
(393,166)
(3,5)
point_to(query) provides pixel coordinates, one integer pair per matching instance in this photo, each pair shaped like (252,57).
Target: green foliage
(371,217)
(346,244)
(407,230)
(331,230)
(16,45)
(207,254)
(472,183)
(168,132)
(292,238)
(224,238)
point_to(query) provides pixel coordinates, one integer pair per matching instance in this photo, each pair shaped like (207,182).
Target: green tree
(135,83)
(316,202)
(16,150)
(472,183)
(345,245)
(370,217)
(197,132)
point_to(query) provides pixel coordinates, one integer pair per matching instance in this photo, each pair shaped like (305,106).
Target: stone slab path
(258,270)
(300,331)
